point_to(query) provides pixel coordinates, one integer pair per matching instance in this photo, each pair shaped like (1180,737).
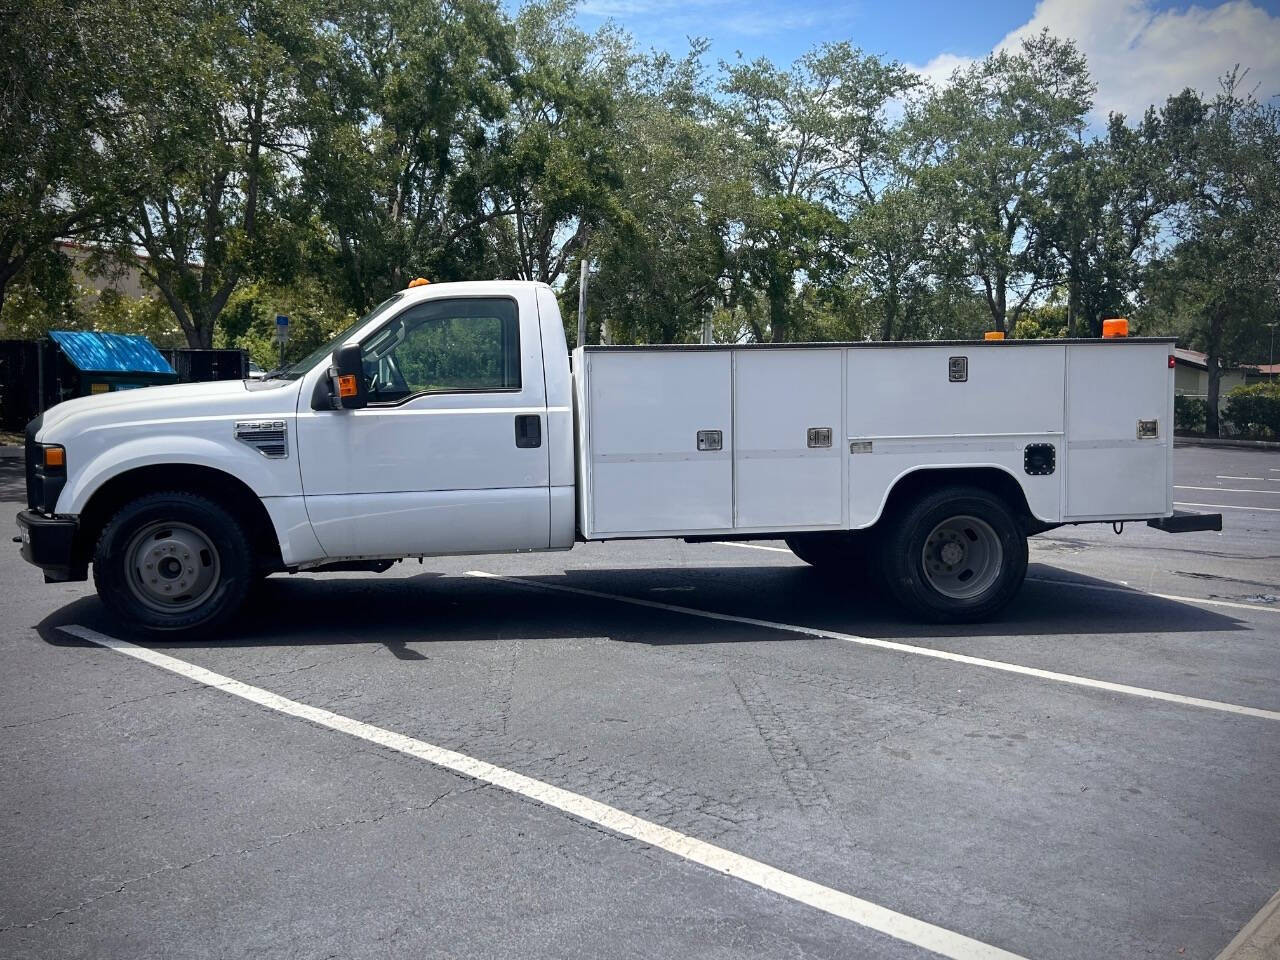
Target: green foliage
(997,138)
(1255,409)
(1189,413)
(248,322)
(276,155)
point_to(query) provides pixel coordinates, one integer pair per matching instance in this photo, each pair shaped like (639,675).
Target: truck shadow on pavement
(398,611)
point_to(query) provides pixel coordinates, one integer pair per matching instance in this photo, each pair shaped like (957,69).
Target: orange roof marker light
(1115,327)
(993,335)
(417,282)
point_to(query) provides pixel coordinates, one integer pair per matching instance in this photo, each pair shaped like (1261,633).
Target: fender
(266,478)
(275,482)
(1038,501)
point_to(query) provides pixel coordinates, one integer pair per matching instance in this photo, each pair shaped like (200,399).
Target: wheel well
(919,483)
(229,491)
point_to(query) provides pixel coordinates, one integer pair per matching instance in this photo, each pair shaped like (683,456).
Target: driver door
(443,459)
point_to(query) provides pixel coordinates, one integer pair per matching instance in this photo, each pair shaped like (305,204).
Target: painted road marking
(894,645)
(1228,506)
(1221,477)
(1067,583)
(939,940)
(1273,493)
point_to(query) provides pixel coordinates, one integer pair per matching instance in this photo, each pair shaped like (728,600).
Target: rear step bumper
(1184,521)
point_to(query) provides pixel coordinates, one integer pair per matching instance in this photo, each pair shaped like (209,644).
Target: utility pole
(584,270)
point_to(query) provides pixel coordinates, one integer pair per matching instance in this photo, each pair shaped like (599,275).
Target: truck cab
(462,443)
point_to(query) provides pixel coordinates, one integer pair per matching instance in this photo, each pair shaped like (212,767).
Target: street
(1095,774)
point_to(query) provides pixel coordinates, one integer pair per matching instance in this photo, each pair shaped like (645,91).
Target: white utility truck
(450,421)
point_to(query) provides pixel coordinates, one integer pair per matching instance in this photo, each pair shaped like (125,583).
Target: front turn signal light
(55,458)
(347,386)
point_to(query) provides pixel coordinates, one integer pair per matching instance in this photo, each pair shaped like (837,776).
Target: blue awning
(111,352)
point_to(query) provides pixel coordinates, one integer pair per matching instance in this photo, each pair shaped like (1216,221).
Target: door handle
(528,430)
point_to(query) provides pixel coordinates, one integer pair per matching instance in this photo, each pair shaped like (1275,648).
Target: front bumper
(49,543)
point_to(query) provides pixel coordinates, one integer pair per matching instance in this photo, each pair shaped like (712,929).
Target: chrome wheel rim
(962,557)
(172,567)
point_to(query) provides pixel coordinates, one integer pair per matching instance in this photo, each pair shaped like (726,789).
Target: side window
(445,346)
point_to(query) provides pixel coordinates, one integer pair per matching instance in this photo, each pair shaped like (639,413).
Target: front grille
(269,437)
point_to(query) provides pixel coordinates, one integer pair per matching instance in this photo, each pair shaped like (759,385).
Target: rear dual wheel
(957,555)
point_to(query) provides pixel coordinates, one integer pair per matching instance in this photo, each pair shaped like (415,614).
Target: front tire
(958,555)
(173,562)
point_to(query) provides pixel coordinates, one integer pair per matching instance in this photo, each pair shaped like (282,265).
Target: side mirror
(344,388)
(347,377)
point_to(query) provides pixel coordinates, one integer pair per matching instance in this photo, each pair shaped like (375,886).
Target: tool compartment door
(647,473)
(1112,472)
(781,480)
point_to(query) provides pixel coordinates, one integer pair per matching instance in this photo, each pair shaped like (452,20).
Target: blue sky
(1139,50)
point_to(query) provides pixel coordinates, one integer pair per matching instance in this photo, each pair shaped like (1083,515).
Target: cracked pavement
(149,816)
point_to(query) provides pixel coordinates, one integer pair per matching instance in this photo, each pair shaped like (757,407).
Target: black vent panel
(269,437)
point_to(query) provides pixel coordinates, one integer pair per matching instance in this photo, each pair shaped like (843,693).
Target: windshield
(296,370)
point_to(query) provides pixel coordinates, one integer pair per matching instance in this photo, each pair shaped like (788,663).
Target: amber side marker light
(1115,327)
(993,335)
(55,457)
(347,385)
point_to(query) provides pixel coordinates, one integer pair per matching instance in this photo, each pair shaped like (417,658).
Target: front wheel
(170,562)
(958,555)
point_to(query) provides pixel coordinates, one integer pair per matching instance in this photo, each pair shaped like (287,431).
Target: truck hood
(220,398)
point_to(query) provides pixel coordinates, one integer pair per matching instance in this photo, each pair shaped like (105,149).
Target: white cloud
(1139,55)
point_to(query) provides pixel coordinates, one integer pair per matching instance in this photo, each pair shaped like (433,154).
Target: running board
(1183,521)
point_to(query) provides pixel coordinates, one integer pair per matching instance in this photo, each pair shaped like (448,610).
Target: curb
(1223,442)
(1260,939)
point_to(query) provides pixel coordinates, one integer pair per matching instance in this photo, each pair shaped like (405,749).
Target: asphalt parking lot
(697,751)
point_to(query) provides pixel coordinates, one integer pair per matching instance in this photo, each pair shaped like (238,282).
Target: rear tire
(173,562)
(958,555)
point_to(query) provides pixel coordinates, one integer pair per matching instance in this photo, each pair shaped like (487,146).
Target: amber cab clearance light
(993,335)
(55,458)
(1115,327)
(347,386)
(418,282)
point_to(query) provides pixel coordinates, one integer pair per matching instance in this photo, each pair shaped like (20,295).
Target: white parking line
(894,645)
(1221,477)
(1066,583)
(1228,506)
(939,940)
(1274,493)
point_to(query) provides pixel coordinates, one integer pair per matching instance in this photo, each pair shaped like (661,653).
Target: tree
(1220,280)
(555,173)
(817,143)
(996,137)
(81,82)
(401,148)
(207,212)
(661,255)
